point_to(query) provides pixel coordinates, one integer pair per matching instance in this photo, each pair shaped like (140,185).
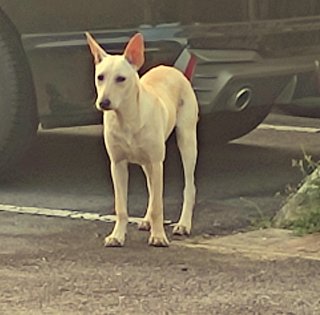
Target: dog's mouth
(103,109)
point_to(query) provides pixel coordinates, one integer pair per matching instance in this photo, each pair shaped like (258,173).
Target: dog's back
(175,91)
(166,81)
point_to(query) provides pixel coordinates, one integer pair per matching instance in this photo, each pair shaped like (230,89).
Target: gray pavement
(58,265)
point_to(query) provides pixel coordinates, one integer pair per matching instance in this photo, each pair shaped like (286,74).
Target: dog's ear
(97,51)
(134,51)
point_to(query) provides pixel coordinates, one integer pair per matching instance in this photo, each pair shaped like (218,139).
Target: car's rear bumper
(231,80)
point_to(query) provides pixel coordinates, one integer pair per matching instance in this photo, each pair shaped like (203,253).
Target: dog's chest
(139,147)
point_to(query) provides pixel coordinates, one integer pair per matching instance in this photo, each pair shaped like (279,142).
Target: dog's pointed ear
(134,51)
(96,50)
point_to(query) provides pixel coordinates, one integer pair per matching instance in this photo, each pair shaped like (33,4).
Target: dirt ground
(59,266)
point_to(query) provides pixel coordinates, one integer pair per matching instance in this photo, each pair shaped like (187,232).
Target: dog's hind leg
(144,225)
(186,132)
(119,172)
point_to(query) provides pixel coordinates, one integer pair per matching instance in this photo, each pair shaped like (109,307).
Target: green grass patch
(309,220)
(309,223)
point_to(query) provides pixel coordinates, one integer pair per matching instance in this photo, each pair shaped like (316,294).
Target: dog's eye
(100,77)
(120,79)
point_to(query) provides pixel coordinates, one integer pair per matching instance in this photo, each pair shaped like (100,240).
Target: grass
(308,224)
(309,221)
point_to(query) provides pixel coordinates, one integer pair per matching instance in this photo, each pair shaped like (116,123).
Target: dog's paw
(111,241)
(144,225)
(181,230)
(158,241)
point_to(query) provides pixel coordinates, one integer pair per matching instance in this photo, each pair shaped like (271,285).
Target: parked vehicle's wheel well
(18,119)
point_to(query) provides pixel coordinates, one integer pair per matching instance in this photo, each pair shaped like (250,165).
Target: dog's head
(116,75)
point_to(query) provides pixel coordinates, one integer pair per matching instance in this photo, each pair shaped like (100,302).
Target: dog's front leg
(119,173)
(154,174)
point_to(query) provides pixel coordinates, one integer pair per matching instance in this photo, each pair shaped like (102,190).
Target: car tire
(18,111)
(222,127)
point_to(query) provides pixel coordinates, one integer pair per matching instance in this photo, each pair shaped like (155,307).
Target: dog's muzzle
(105,104)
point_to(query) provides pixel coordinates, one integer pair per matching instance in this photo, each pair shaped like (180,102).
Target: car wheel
(221,127)
(18,111)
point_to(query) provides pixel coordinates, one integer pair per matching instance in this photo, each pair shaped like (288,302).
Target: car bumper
(231,80)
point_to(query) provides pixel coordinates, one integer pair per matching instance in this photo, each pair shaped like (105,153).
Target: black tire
(18,111)
(222,127)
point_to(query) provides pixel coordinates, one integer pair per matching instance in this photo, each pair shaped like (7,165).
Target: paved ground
(59,266)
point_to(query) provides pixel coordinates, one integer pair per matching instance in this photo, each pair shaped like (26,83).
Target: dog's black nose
(105,104)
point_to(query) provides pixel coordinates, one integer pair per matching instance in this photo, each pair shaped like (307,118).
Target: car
(242,57)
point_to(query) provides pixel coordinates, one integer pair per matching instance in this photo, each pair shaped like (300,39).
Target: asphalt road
(68,169)
(54,265)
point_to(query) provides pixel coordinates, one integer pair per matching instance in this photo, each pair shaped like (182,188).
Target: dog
(139,114)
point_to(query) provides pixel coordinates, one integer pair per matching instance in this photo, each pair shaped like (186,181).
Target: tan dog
(138,117)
